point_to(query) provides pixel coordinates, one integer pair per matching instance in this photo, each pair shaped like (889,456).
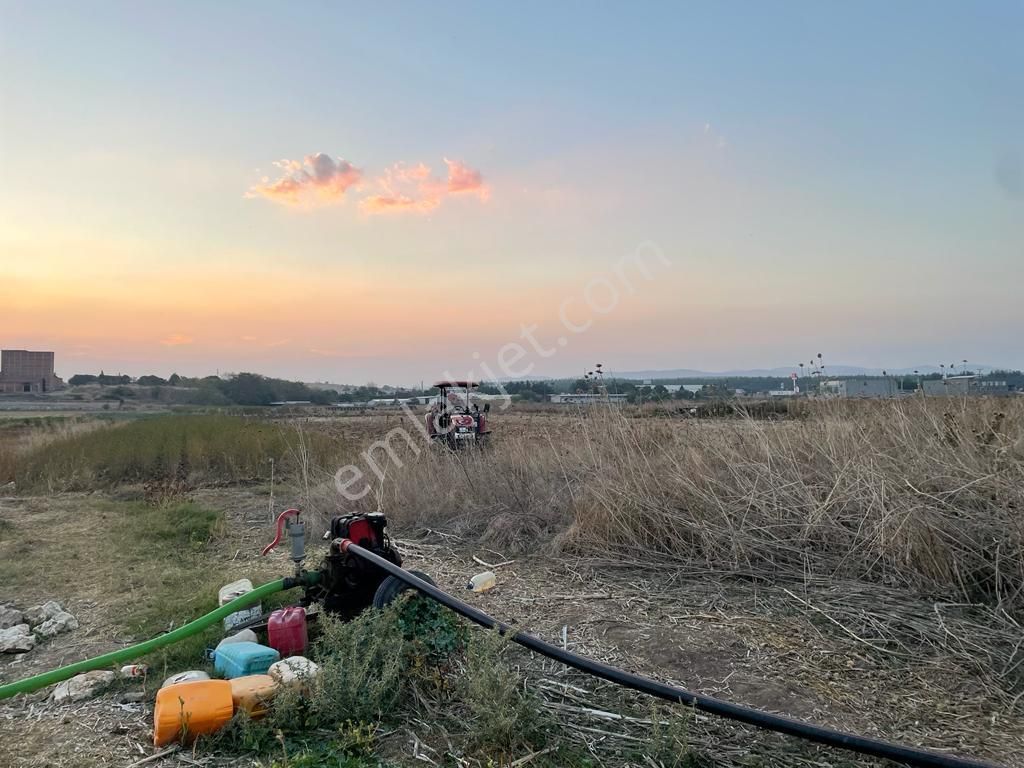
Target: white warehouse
(865,387)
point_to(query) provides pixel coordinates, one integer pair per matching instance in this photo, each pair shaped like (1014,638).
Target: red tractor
(454,419)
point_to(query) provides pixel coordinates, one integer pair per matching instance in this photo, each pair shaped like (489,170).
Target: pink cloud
(414,189)
(318,178)
(176,340)
(400,188)
(397,204)
(465,180)
(418,173)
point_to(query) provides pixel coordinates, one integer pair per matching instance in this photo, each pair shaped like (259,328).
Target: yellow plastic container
(186,710)
(253,694)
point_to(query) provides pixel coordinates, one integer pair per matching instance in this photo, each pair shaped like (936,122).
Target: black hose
(833,738)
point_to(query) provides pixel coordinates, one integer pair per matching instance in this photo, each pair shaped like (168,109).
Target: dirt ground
(791,649)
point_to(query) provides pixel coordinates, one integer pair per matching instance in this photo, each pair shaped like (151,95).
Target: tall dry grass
(926,494)
(205,448)
(20,436)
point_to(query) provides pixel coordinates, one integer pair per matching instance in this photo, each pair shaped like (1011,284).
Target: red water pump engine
(345,584)
(349,584)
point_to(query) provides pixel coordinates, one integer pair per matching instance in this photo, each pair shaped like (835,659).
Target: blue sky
(847,178)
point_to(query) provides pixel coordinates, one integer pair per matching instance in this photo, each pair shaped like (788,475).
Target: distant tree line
(239,389)
(104,379)
(254,389)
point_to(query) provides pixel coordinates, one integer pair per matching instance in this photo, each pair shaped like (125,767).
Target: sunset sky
(336,192)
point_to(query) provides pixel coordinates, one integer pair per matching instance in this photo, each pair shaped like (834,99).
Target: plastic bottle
(134,670)
(482,581)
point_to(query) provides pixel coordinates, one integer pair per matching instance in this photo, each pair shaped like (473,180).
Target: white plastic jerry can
(186,677)
(243,636)
(234,590)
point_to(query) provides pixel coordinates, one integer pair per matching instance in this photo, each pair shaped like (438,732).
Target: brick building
(24,371)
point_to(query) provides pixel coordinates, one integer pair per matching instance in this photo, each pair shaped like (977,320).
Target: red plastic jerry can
(286,630)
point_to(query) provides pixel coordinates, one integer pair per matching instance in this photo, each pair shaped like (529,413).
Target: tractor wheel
(392,587)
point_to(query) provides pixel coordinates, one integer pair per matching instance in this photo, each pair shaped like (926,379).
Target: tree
(639,395)
(247,389)
(324,396)
(150,381)
(82,378)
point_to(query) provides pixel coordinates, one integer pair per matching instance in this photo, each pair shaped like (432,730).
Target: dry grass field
(918,494)
(855,564)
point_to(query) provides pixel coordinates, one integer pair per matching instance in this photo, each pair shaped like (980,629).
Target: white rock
(17,639)
(9,617)
(81,687)
(37,614)
(62,622)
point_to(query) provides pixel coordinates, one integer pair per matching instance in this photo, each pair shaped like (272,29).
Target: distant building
(861,387)
(951,386)
(394,402)
(959,386)
(993,387)
(674,388)
(587,399)
(25,371)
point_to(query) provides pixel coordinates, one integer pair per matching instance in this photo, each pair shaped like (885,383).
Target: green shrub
(382,668)
(504,717)
(362,668)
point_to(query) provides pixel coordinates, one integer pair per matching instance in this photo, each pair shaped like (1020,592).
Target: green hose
(141,649)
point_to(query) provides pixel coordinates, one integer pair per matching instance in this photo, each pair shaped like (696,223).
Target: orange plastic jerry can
(186,710)
(253,694)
